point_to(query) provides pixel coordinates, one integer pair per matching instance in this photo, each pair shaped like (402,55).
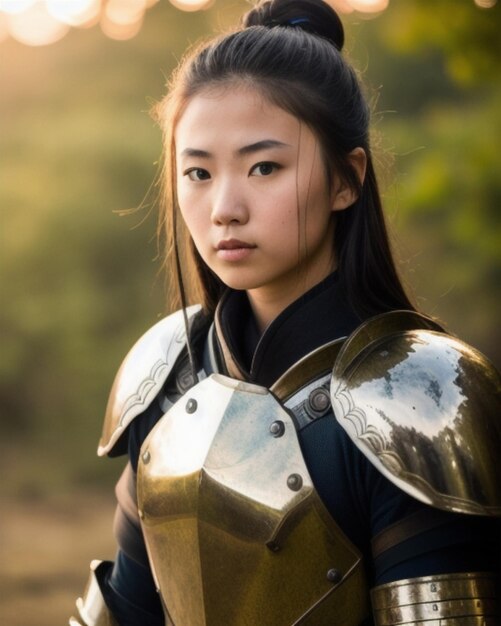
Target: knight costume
(334,471)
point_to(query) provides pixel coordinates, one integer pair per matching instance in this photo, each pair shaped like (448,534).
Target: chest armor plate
(234,528)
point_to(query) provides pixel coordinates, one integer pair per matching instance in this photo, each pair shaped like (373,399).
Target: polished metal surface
(307,369)
(142,375)
(92,610)
(235,530)
(381,326)
(425,409)
(446,599)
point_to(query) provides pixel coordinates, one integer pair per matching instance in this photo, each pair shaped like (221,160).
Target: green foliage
(466,36)
(438,67)
(78,283)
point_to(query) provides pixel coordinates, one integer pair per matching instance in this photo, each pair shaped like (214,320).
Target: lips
(233,244)
(234,251)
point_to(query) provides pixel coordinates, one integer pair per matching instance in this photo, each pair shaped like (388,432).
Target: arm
(122,593)
(434,566)
(423,407)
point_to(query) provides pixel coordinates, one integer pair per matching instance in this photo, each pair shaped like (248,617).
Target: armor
(234,528)
(92,610)
(424,408)
(142,375)
(222,481)
(447,599)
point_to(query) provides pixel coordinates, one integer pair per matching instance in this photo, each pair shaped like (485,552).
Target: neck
(268,302)
(317,317)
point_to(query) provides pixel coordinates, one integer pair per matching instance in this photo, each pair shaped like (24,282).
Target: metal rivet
(319,399)
(277,428)
(294,482)
(146,457)
(273,546)
(191,405)
(334,575)
(318,403)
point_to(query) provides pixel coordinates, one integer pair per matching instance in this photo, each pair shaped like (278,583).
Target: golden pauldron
(465,599)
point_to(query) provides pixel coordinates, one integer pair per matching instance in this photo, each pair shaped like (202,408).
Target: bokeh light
(35,26)
(120,31)
(15,6)
(192,5)
(4,31)
(341,6)
(369,6)
(125,12)
(485,4)
(42,22)
(80,13)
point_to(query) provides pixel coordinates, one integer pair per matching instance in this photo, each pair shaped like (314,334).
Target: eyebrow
(265,144)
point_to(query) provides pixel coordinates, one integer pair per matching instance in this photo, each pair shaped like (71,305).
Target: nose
(228,204)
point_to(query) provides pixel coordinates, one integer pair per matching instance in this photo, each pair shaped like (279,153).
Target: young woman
(278,471)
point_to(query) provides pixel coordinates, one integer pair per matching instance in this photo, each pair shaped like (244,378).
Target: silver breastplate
(235,531)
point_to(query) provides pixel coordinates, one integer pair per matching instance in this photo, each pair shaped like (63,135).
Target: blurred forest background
(79,283)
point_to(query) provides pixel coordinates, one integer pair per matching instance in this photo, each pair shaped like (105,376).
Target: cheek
(195,228)
(188,209)
(279,207)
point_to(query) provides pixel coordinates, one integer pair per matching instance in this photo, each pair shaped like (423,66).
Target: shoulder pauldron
(142,374)
(424,408)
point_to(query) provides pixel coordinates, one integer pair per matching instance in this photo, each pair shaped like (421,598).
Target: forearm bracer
(92,609)
(465,599)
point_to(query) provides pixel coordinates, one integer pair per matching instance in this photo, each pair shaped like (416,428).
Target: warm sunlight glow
(75,13)
(362,6)
(191,5)
(369,6)
(122,19)
(485,4)
(341,6)
(15,6)
(125,12)
(41,22)
(4,31)
(36,26)
(120,31)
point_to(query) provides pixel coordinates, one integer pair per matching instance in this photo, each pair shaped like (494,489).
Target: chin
(237,280)
(238,285)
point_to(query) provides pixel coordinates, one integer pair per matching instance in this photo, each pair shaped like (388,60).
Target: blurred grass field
(46,546)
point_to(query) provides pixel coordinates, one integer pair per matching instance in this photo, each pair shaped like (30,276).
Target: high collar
(319,316)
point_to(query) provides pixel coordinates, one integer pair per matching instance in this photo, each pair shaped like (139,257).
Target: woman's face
(253,192)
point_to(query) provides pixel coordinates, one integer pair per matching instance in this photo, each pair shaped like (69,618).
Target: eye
(197,174)
(264,169)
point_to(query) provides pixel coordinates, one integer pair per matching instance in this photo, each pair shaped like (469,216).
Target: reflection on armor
(92,610)
(235,530)
(424,408)
(142,374)
(444,600)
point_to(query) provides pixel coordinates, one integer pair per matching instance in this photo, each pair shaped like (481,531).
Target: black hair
(291,51)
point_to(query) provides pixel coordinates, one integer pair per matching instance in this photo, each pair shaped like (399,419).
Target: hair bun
(313,16)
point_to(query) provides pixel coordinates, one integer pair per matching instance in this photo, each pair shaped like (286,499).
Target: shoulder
(142,374)
(423,407)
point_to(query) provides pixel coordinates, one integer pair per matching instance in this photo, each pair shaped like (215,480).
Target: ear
(343,196)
